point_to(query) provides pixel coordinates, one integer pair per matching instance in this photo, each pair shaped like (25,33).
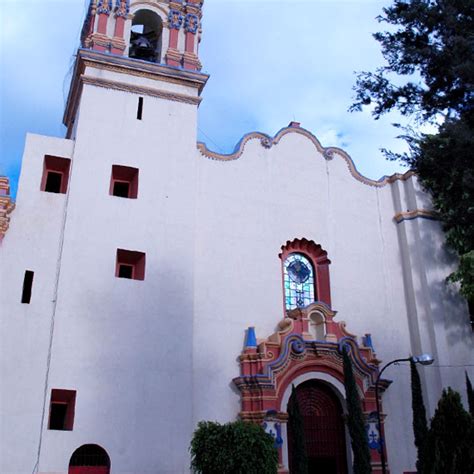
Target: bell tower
(156,31)
(147,48)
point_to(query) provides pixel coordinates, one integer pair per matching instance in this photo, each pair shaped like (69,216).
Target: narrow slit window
(140,108)
(27,287)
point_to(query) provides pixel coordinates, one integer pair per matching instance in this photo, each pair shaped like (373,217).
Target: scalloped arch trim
(305,246)
(268,142)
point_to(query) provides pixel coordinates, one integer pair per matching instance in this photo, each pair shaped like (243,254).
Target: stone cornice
(127,66)
(150,91)
(329,153)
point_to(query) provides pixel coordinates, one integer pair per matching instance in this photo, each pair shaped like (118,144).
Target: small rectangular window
(140,108)
(27,287)
(130,264)
(55,174)
(124,182)
(121,189)
(57,417)
(53,182)
(61,410)
(125,271)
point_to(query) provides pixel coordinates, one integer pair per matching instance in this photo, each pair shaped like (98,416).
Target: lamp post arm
(396,361)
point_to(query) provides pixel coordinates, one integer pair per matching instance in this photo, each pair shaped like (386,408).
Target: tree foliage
(299,459)
(432,47)
(429,76)
(420,424)
(233,448)
(355,420)
(450,442)
(445,167)
(470,395)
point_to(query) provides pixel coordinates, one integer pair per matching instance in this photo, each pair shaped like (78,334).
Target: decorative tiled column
(191,28)
(175,22)
(118,44)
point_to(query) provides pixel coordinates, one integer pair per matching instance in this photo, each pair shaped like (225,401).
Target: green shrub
(233,448)
(450,442)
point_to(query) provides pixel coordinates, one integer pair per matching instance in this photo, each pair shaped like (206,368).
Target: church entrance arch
(323,428)
(292,356)
(89,459)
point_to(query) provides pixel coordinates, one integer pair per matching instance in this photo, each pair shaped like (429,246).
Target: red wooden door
(89,470)
(323,426)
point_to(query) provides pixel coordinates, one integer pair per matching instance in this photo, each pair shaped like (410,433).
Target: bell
(141,48)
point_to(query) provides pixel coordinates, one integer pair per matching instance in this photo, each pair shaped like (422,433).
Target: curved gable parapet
(328,153)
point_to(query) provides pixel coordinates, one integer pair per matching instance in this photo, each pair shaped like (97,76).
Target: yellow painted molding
(409,215)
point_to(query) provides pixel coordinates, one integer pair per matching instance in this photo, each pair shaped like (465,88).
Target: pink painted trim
(189,43)
(119,27)
(172,62)
(173,43)
(102,24)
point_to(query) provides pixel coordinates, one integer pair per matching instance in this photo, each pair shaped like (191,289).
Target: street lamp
(423,359)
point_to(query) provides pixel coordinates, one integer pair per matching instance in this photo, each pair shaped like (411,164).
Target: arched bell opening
(89,459)
(146,36)
(323,428)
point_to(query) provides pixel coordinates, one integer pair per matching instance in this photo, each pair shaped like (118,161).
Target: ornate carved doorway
(323,427)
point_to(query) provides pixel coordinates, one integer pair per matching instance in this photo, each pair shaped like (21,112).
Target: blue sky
(270,62)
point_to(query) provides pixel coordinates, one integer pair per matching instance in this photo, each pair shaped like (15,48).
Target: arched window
(305,274)
(299,281)
(89,459)
(146,36)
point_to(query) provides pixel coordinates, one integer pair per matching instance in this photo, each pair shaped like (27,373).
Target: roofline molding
(328,153)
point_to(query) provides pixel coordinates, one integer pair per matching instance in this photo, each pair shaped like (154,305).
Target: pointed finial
(251,339)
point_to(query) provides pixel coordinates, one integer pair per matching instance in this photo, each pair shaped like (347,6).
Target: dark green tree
(420,425)
(355,420)
(470,396)
(450,441)
(299,459)
(234,448)
(429,76)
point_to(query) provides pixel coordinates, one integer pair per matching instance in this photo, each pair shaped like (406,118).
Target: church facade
(149,283)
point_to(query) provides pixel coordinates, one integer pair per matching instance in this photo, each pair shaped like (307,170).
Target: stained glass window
(299,281)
